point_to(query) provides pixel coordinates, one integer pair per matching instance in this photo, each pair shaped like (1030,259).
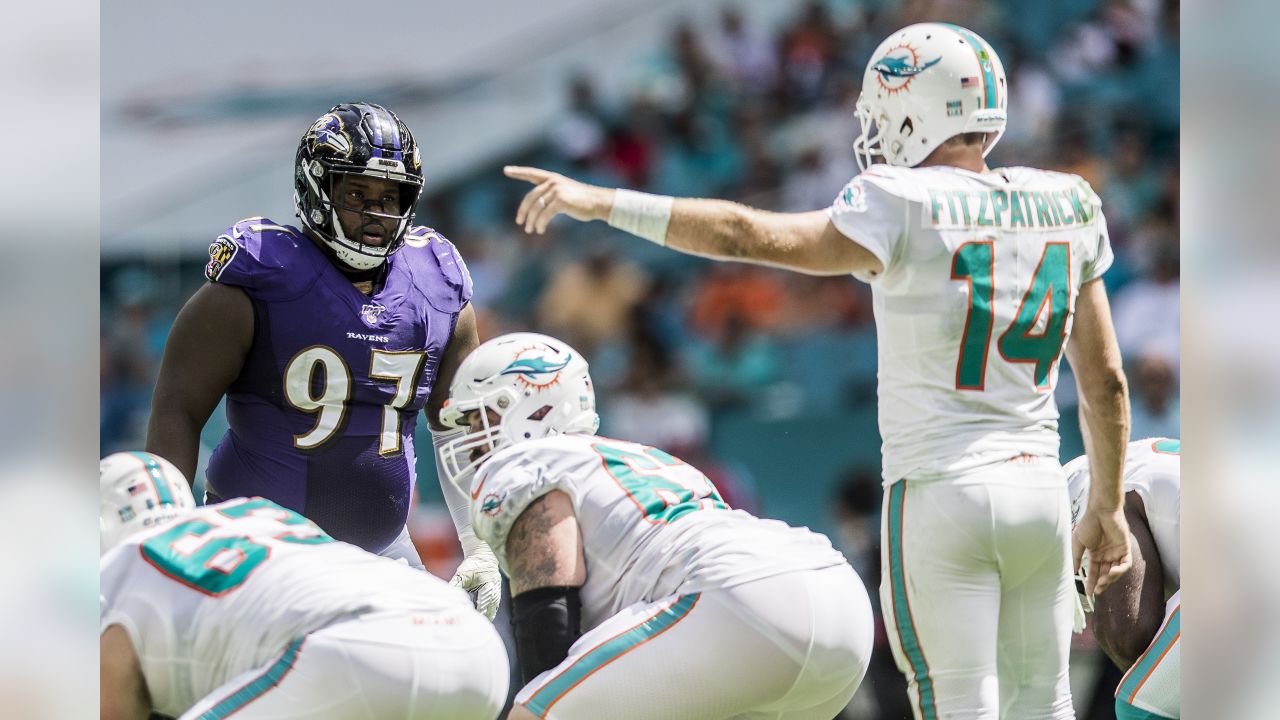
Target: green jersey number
(653,480)
(217,565)
(1050,292)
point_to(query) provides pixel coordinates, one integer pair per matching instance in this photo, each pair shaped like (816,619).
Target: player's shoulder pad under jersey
(265,258)
(438,270)
(1067,182)
(517,475)
(898,182)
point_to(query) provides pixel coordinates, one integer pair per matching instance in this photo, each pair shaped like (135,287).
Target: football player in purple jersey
(328,339)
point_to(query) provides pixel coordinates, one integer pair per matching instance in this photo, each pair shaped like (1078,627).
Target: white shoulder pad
(900,182)
(515,476)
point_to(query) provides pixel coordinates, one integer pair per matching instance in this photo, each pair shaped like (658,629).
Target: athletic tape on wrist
(641,214)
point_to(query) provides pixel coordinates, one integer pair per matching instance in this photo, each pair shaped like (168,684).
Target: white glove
(479,574)
(1083,602)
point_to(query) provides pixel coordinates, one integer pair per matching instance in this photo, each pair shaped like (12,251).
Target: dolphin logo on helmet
(534,366)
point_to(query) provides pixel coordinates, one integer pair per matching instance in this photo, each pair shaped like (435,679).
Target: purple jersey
(323,412)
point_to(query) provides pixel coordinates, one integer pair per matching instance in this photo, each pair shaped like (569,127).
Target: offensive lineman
(327,341)
(247,608)
(636,592)
(978,276)
(1138,621)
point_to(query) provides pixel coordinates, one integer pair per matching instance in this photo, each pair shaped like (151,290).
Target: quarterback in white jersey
(636,592)
(246,608)
(979,277)
(1138,621)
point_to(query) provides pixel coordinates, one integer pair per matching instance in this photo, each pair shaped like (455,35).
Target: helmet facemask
(459,455)
(866,149)
(356,140)
(513,389)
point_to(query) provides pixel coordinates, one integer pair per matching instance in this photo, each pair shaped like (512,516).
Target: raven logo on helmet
(328,132)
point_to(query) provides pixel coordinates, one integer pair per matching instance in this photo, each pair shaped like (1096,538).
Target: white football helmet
(924,85)
(536,384)
(138,491)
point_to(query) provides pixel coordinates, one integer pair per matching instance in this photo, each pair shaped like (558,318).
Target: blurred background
(764,380)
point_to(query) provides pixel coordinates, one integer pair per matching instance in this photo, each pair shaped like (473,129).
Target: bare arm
(544,547)
(204,354)
(1094,355)
(122,691)
(465,339)
(805,242)
(1128,615)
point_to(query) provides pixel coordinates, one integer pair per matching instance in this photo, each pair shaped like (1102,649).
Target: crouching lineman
(637,593)
(1137,620)
(247,608)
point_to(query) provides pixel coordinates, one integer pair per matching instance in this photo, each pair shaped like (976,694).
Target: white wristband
(641,214)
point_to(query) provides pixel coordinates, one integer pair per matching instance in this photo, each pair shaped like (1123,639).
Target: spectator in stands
(589,301)
(807,47)
(745,56)
(579,136)
(733,368)
(1133,183)
(1146,311)
(1156,410)
(745,293)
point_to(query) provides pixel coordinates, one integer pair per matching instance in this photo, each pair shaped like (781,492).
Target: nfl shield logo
(370,312)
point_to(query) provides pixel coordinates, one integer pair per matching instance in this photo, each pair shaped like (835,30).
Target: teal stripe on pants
(902,608)
(607,652)
(1125,711)
(256,687)
(1143,667)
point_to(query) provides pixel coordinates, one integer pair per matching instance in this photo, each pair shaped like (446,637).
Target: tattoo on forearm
(533,559)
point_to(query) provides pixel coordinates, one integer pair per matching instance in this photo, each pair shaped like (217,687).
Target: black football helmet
(355,139)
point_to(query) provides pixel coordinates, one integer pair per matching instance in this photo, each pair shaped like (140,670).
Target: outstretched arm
(1094,355)
(718,229)
(202,357)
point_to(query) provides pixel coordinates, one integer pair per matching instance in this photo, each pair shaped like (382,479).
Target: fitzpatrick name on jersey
(1013,209)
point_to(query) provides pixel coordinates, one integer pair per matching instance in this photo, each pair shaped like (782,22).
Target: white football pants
(789,646)
(442,665)
(977,591)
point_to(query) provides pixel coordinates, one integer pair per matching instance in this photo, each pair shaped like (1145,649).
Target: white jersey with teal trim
(973,307)
(228,587)
(1152,468)
(652,526)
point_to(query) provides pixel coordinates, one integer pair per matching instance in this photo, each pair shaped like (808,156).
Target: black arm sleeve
(546,622)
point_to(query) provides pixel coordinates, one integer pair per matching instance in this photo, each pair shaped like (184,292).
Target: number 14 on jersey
(1050,292)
